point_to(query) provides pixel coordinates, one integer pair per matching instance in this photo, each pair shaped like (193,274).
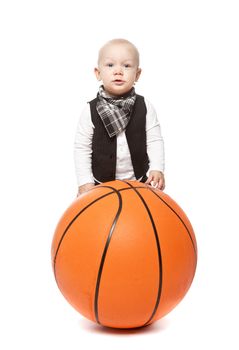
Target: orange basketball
(124,254)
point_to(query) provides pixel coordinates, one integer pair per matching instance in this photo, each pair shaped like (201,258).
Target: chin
(119,92)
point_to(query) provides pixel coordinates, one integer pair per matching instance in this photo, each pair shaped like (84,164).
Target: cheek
(105,76)
(132,77)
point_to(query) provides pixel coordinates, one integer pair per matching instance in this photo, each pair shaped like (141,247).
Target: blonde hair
(120,42)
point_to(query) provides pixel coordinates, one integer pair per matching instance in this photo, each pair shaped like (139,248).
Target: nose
(118,70)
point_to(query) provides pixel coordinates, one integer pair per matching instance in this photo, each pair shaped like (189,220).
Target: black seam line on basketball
(148,188)
(194,247)
(71,222)
(82,210)
(159,255)
(105,252)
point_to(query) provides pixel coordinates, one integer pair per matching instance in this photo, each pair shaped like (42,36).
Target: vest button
(111,156)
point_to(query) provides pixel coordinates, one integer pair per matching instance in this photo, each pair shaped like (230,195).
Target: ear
(139,70)
(97,73)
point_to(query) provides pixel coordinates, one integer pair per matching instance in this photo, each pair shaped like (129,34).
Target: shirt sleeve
(83,148)
(155,142)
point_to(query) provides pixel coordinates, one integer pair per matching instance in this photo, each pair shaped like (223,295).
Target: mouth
(118,81)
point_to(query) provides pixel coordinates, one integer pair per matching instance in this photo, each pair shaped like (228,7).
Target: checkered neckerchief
(115,112)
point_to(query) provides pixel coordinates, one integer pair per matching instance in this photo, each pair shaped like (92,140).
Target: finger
(150,178)
(161,184)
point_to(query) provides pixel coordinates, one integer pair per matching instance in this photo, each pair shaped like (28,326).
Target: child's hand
(156,179)
(84,188)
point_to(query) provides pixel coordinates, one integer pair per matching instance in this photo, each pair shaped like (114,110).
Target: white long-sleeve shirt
(124,167)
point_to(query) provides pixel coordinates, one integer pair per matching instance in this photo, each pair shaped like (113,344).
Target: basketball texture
(124,254)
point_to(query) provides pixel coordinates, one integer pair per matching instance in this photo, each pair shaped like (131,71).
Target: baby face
(118,68)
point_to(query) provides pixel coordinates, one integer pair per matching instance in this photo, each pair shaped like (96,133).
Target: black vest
(104,147)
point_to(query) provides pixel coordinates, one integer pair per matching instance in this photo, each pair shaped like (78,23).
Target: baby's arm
(83,152)
(155,149)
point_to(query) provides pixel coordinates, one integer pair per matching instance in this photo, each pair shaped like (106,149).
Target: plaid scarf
(115,112)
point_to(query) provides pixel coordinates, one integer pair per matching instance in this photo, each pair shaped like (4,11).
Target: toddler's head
(118,66)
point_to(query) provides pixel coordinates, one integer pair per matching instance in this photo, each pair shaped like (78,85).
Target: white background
(189,57)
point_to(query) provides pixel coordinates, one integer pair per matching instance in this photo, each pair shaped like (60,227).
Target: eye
(109,65)
(127,65)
